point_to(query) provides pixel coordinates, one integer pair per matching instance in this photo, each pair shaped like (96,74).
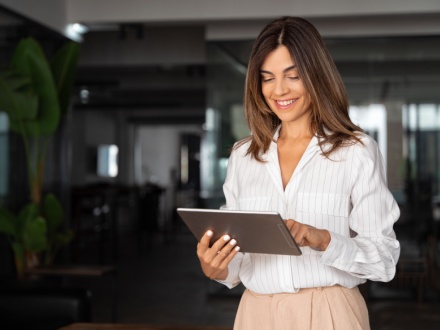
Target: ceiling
(374,70)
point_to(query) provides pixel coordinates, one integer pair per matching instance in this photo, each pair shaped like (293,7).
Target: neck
(293,131)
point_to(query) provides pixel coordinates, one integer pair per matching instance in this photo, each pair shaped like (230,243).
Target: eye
(266,79)
(293,78)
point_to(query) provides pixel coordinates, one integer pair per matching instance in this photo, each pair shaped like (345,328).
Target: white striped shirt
(346,194)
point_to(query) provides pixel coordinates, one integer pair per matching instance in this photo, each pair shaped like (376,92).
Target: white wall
(91,128)
(156,146)
(51,13)
(159,153)
(159,149)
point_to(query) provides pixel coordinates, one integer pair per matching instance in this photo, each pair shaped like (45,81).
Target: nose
(280,87)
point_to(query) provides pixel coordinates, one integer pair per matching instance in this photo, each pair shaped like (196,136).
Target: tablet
(255,232)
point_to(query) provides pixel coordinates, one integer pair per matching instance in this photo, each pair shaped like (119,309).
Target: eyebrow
(285,70)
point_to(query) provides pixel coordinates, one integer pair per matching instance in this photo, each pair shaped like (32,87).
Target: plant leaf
(62,238)
(18,249)
(17,99)
(63,67)
(29,59)
(27,213)
(8,222)
(15,80)
(34,236)
(53,212)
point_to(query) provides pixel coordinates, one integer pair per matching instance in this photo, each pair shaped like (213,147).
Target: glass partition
(224,122)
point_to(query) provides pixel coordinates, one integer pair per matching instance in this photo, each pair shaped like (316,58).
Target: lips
(282,104)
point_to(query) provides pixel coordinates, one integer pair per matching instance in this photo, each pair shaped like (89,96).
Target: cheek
(305,94)
(308,100)
(266,91)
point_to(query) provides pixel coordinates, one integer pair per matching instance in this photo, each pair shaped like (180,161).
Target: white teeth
(284,103)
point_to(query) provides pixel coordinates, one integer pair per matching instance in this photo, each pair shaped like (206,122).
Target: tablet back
(255,232)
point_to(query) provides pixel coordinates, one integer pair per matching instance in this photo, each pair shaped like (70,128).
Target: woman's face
(283,89)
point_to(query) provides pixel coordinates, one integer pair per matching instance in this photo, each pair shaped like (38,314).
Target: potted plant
(35,93)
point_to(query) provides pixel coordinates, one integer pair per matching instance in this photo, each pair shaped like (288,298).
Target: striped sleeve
(372,253)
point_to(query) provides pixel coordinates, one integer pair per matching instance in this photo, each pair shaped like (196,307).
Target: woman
(309,162)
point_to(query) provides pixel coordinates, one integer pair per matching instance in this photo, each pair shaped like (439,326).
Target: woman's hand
(305,235)
(215,259)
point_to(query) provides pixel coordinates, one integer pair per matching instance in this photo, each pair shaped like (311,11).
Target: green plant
(35,94)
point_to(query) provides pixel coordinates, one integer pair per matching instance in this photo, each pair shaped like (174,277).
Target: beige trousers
(327,308)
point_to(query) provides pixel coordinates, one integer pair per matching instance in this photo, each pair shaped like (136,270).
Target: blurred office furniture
(43,308)
(404,315)
(186,198)
(100,211)
(151,212)
(412,273)
(94,210)
(31,304)
(434,265)
(67,271)
(417,272)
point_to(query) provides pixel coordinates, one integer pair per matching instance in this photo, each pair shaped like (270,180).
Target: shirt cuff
(340,252)
(232,280)
(228,281)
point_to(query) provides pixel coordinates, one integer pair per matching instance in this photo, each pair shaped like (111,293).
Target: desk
(103,326)
(75,271)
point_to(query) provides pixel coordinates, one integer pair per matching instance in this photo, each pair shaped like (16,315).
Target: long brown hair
(321,79)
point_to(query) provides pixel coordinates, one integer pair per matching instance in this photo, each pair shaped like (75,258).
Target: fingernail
(237,248)
(209,233)
(233,242)
(226,237)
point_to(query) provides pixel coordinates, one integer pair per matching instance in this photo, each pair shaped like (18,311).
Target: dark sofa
(35,305)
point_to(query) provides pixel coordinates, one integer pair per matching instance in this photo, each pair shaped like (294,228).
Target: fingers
(223,257)
(299,234)
(305,235)
(206,238)
(226,250)
(214,260)
(222,241)
(293,227)
(230,254)
(302,235)
(203,245)
(221,248)
(289,223)
(299,231)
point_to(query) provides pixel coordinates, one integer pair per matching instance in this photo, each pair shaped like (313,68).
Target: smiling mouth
(285,102)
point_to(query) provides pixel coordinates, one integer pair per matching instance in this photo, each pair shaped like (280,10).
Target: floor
(161,284)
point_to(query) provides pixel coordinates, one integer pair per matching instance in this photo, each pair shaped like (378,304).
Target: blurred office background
(157,103)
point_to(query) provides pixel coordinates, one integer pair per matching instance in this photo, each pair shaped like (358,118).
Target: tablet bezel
(255,232)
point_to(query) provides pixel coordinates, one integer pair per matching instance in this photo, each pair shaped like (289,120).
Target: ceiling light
(75,31)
